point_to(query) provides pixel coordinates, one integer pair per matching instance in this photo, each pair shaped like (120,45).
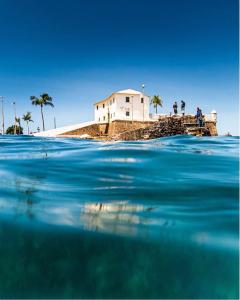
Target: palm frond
(49,103)
(27,117)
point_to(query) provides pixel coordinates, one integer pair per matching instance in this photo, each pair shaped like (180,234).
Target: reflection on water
(118,218)
(154,219)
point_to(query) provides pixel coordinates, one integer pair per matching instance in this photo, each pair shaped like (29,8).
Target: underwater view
(150,219)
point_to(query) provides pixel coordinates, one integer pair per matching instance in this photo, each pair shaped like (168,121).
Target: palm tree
(156,100)
(18,121)
(43,100)
(27,118)
(14,129)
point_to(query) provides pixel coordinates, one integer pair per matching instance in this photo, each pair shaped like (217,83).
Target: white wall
(100,112)
(137,111)
(117,109)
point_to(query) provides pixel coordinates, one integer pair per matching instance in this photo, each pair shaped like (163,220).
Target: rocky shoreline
(169,127)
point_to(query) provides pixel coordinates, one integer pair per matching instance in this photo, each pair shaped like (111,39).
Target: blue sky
(81,51)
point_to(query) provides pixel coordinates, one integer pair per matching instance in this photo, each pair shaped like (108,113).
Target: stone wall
(92,130)
(119,126)
(171,126)
(128,130)
(212,127)
(113,128)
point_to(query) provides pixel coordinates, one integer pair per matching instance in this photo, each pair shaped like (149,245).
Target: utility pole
(143,86)
(15,117)
(54,118)
(1,97)
(132,109)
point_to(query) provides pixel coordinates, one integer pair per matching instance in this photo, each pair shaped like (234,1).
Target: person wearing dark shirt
(175,106)
(199,117)
(183,107)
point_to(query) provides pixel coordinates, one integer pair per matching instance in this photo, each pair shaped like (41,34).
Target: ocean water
(86,219)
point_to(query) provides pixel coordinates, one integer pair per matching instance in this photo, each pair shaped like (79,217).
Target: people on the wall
(199,117)
(183,104)
(175,107)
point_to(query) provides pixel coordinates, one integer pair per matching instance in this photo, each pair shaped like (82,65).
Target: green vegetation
(27,118)
(18,121)
(11,129)
(156,101)
(43,100)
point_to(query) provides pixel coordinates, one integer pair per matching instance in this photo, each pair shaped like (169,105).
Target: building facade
(126,105)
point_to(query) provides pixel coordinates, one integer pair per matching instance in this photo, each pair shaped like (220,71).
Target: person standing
(183,107)
(175,107)
(199,117)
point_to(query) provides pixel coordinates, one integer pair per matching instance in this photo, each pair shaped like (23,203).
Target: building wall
(105,110)
(137,111)
(116,108)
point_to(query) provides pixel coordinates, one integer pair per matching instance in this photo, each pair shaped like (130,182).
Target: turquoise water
(85,219)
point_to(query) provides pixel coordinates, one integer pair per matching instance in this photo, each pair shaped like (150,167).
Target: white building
(129,105)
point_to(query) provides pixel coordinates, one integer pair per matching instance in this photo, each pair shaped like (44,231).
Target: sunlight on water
(152,219)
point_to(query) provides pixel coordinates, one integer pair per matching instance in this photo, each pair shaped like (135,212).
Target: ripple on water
(137,219)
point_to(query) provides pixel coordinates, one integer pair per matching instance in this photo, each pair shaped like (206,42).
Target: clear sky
(80,51)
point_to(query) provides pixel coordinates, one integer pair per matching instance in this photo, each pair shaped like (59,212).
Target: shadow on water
(154,219)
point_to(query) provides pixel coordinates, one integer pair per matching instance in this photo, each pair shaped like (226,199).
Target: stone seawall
(92,130)
(111,129)
(119,126)
(212,127)
(169,126)
(128,130)
(160,129)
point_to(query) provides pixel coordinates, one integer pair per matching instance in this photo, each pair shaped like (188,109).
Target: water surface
(152,219)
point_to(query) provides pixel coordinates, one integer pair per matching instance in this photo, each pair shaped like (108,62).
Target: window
(99,120)
(142,100)
(113,100)
(127,99)
(103,105)
(97,107)
(127,113)
(104,118)
(110,102)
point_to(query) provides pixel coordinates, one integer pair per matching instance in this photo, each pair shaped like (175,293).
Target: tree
(43,100)
(17,121)
(11,130)
(27,118)
(156,100)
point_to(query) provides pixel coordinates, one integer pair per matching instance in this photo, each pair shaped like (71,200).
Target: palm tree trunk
(15,116)
(28,127)
(19,127)
(42,118)
(15,127)
(156,109)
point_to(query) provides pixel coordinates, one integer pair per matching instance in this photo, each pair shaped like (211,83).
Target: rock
(85,136)
(168,127)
